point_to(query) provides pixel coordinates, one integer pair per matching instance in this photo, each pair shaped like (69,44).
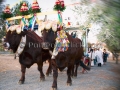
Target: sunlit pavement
(106,77)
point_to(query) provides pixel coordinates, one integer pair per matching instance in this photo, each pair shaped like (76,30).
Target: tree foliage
(107,14)
(16,9)
(111,25)
(2,32)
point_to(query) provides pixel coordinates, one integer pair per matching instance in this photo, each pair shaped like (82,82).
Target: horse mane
(70,38)
(33,36)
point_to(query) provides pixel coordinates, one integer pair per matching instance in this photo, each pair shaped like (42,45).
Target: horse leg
(23,70)
(69,81)
(72,72)
(75,74)
(40,68)
(49,70)
(55,75)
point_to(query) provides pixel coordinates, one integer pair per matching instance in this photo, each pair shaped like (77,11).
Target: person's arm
(106,54)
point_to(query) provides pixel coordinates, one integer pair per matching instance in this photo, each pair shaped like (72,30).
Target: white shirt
(99,55)
(93,55)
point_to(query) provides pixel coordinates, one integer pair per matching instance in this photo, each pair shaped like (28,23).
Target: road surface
(106,77)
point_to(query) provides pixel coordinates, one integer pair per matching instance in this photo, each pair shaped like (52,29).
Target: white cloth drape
(99,55)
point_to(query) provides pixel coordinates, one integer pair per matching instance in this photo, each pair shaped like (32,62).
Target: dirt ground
(106,77)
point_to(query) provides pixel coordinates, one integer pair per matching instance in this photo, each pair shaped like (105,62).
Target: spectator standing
(99,55)
(92,55)
(95,58)
(73,34)
(105,55)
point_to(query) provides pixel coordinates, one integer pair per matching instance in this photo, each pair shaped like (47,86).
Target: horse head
(13,37)
(49,35)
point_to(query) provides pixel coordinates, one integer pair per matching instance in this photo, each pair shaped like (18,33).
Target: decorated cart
(31,22)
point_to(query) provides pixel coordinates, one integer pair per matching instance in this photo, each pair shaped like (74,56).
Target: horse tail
(84,66)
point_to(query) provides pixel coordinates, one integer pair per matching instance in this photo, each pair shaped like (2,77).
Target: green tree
(107,14)
(16,9)
(2,32)
(111,26)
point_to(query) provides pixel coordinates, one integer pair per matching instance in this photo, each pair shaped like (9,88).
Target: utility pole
(86,46)
(87,31)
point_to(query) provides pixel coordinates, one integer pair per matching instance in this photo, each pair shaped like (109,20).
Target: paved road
(106,77)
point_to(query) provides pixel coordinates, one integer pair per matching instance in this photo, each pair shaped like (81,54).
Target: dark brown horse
(32,52)
(67,59)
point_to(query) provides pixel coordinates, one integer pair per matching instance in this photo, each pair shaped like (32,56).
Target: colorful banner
(32,22)
(60,18)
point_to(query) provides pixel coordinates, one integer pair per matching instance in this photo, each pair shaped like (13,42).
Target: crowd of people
(95,57)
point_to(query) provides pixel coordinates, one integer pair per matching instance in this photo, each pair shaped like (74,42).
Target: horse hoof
(42,79)
(53,89)
(69,84)
(21,82)
(47,75)
(75,77)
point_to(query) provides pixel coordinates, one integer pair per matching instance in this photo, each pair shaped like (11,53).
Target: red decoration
(7,9)
(62,3)
(35,5)
(69,23)
(59,5)
(57,2)
(24,7)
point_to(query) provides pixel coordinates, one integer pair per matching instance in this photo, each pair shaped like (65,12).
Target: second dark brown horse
(65,59)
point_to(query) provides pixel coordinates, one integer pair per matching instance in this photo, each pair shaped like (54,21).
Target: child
(86,61)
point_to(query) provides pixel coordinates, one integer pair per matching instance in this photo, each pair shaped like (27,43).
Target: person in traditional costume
(92,56)
(99,55)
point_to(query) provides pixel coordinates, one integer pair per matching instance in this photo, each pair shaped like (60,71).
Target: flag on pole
(60,18)
(7,24)
(23,23)
(32,22)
